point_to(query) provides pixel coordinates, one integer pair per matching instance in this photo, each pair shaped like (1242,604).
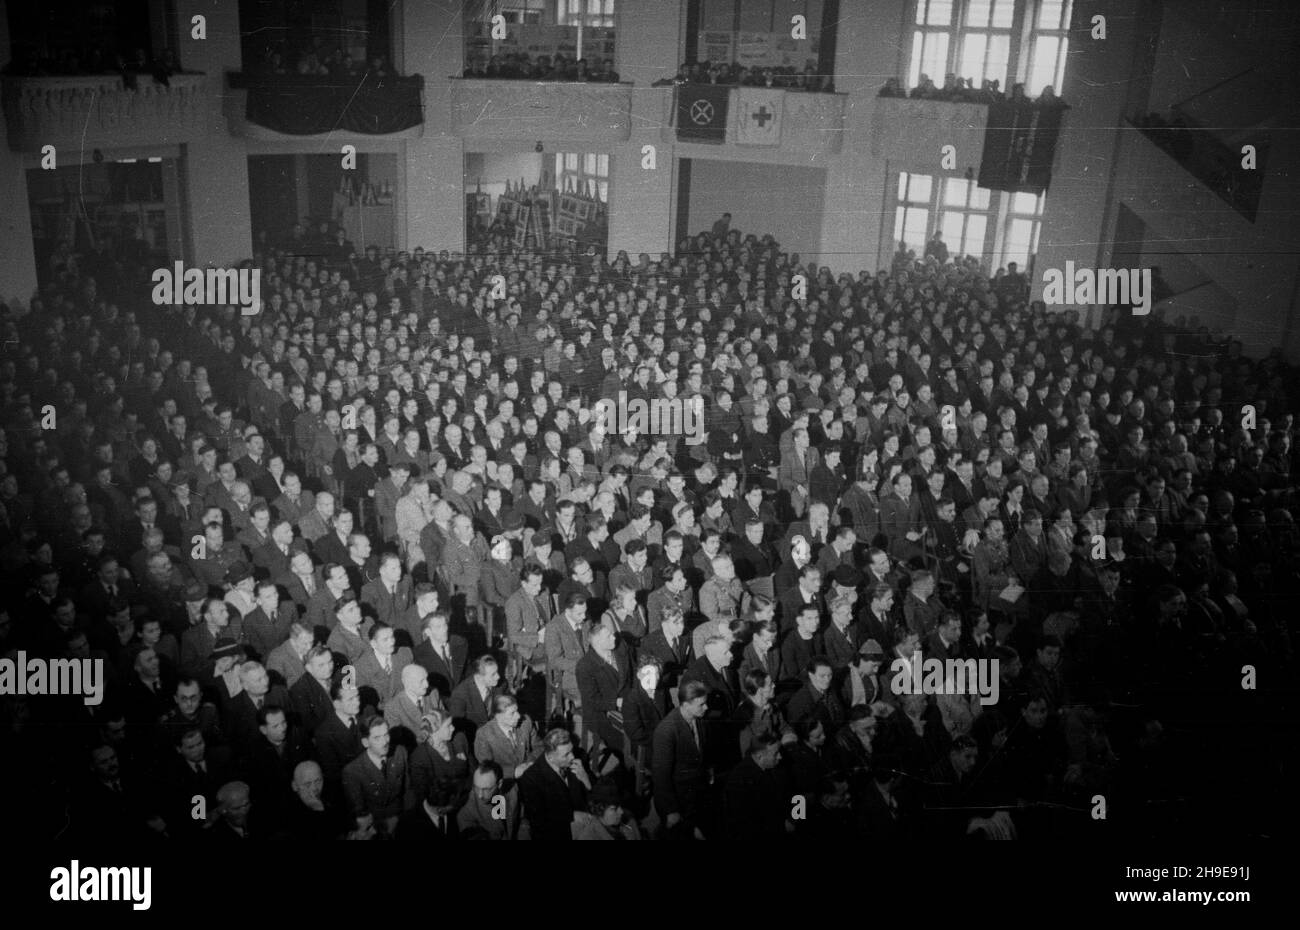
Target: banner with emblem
(758,115)
(702,113)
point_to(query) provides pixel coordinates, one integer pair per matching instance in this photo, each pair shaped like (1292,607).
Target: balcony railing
(529,111)
(913,132)
(100,111)
(297,105)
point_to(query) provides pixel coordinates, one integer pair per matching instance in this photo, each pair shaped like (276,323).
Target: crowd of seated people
(131,63)
(721,72)
(963,90)
(520,66)
(317,239)
(315,57)
(366,564)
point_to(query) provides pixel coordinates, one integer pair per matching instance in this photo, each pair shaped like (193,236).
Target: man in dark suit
(806,593)
(900,519)
(680,777)
(840,640)
(602,674)
(433,819)
(554,788)
(240,723)
(375,781)
(877,620)
(320,606)
(310,694)
(409,627)
(800,645)
(508,740)
(107,587)
(715,671)
(754,805)
(921,608)
(443,655)
(233,823)
(979,644)
(338,738)
(379,670)
(389,595)
(302,574)
(817,699)
(762,652)
(1028,548)
(267,625)
(945,642)
(275,555)
(285,663)
(471,700)
(109,802)
(275,754)
(672,647)
(191,773)
(880,811)
(148,691)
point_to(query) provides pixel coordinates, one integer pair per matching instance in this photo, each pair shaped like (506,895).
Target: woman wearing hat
(604,818)
(240,594)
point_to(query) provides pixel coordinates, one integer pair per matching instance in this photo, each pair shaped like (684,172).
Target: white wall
(776,199)
(216,167)
(431,168)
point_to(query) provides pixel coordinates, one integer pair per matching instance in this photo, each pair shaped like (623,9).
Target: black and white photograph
(816,429)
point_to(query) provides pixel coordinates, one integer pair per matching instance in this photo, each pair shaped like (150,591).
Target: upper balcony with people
(96,78)
(312,71)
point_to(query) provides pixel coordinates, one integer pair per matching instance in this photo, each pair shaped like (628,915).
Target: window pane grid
(1024,223)
(934,12)
(585,172)
(959,205)
(589,13)
(973,39)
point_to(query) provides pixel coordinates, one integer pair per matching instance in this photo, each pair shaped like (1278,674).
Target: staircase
(1251,261)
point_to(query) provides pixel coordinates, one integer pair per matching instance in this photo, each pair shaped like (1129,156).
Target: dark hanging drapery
(299,105)
(1019,146)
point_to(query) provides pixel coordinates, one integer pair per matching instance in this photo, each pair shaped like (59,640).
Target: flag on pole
(758,115)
